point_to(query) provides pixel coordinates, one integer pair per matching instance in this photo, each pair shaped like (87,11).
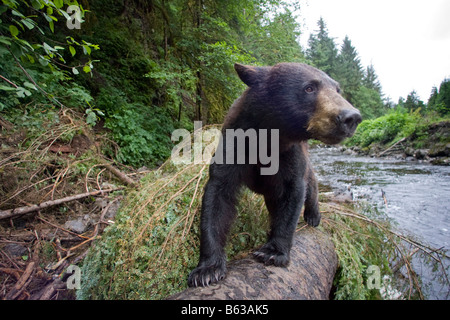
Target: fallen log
(309,275)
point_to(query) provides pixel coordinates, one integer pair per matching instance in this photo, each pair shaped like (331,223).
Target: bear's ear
(250,75)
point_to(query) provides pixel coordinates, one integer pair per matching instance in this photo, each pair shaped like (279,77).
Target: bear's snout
(348,120)
(334,118)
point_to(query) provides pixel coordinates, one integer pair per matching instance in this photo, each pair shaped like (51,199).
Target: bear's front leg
(218,213)
(284,208)
(312,213)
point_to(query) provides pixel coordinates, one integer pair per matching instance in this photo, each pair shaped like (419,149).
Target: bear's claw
(271,256)
(206,275)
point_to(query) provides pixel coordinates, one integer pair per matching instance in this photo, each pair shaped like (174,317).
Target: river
(415,196)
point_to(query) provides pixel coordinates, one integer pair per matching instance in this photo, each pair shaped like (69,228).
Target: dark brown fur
(302,103)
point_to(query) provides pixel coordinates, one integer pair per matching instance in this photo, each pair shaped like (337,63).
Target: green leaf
(30,58)
(14,31)
(72,50)
(28,23)
(91,118)
(43,61)
(5,88)
(87,69)
(16,49)
(29,85)
(3,9)
(86,49)
(58,3)
(22,92)
(37,4)
(65,14)
(52,26)
(25,44)
(48,48)
(17,13)
(5,40)
(47,17)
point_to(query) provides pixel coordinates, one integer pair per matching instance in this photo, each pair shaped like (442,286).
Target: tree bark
(309,275)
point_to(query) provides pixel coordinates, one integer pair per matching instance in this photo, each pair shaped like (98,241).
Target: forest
(140,69)
(93,89)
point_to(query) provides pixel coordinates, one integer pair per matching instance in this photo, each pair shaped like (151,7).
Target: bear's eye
(310,89)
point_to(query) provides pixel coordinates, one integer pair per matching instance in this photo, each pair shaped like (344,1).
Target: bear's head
(299,100)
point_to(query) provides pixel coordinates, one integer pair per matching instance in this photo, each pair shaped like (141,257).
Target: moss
(154,243)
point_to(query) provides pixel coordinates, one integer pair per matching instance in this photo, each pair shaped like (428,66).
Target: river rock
(80,225)
(409,152)
(15,249)
(112,211)
(356,149)
(343,196)
(441,161)
(421,154)
(349,152)
(440,150)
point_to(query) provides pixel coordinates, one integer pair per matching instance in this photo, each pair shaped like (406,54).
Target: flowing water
(415,196)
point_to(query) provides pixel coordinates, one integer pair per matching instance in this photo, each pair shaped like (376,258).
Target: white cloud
(408,41)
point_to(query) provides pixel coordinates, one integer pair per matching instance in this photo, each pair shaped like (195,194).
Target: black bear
(294,102)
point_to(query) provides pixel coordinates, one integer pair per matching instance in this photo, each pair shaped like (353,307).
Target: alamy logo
(241,147)
(373,277)
(74,20)
(74,281)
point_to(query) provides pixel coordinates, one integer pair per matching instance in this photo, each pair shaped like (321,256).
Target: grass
(154,242)
(396,125)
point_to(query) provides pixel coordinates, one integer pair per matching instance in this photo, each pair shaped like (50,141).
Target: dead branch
(119,174)
(12,213)
(22,283)
(48,292)
(6,124)
(391,147)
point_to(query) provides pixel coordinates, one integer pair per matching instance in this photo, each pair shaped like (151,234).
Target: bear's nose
(349,120)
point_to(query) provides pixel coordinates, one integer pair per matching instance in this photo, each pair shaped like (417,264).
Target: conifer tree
(439,100)
(322,51)
(349,70)
(370,79)
(413,102)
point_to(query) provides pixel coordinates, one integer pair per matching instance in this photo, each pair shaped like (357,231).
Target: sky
(407,41)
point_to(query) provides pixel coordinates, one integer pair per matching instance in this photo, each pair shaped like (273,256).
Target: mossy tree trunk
(309,275)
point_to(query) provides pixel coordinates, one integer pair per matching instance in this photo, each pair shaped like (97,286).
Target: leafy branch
(18,32)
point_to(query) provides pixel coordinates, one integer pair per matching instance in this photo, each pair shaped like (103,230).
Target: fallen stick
(11,213)
(22,283)
(119,174)
(391,147)
(50,290)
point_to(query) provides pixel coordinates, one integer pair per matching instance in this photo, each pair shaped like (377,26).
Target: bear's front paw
(269,255)
(312,217)
(203,276)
